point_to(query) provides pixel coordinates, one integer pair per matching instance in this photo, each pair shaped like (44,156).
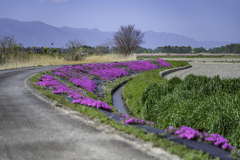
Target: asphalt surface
(31,127)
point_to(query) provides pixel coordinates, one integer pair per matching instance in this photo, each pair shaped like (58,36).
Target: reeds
(19,60)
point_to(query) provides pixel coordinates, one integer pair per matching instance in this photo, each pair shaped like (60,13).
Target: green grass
(134,88)
(197,102)
(157,140)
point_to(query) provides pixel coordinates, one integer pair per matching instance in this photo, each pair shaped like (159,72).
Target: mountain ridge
(37,33)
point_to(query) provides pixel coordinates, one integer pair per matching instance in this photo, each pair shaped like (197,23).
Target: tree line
(9,43)
(125,41)
(174,49)
(230,48)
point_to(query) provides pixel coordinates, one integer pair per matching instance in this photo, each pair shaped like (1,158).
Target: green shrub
(54,50)
(44,50)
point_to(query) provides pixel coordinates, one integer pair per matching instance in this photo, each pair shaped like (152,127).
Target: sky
(202,20)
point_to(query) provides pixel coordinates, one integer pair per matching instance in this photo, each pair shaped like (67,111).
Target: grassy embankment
(158,141)
(209,104)
(141,82)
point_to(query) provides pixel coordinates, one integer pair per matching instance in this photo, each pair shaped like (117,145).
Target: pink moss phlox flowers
(110,74)
(92,103)
(52,82)
(47,80)
(187,132)
(219,140)
(138,66)
(124,116)
(163,63)
(190,133)
(129,121)
(133,120)
(84,82)
(78,77)
(81,75)
(62,88)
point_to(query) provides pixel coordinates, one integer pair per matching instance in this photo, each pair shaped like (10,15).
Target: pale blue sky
(199,19)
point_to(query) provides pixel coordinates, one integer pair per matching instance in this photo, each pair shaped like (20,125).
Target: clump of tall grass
(199,102)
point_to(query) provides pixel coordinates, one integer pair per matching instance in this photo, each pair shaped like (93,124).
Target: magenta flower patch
(82,75)
(52,82)
(163,63)
(190,133)
(128,120)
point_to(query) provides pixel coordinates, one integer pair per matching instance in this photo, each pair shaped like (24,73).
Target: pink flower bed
(82,75)
(190,133)
(52,82)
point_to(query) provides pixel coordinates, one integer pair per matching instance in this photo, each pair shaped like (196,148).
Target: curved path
(31,127)
(210,69)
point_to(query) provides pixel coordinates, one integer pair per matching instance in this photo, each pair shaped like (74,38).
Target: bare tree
(73,47)
(6,47)
(127,39)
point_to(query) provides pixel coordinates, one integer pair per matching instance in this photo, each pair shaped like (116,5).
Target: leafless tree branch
(128,39)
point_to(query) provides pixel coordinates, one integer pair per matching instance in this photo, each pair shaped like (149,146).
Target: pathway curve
(32,128)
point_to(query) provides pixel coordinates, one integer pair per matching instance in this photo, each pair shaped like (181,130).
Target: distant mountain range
(39,34)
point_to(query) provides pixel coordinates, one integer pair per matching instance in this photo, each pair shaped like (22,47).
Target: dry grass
(20,60)
(110,58)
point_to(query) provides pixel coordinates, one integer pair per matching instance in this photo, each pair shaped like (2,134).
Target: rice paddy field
(172,55)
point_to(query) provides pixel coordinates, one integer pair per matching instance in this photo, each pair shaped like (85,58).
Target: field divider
(169,71)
